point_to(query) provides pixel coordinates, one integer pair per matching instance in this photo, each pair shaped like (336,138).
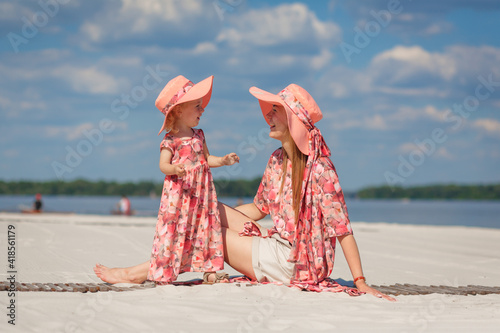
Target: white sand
(59,248)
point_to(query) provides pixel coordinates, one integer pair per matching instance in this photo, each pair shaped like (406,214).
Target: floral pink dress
(188,236)
(326,220)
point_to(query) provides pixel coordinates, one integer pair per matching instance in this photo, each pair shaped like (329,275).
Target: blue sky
(410,90)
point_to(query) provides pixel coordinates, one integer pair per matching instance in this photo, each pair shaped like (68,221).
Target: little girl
(188,235)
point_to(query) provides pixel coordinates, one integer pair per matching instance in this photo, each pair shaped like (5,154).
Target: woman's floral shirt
(323,216)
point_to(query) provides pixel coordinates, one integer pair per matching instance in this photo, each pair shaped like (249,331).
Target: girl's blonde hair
(172,117)
(299,161)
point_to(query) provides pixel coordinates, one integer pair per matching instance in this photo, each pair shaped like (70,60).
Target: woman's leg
(231,218)
(237,249)
(134,274)
(238,252)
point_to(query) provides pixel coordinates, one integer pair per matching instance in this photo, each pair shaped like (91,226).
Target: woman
(301,192)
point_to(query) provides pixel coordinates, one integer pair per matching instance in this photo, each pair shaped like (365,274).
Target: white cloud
(408,114)
(488,125)
(11,153)
(322,59)
(151,20)
(11,11)
(50,63)
(443,153)
(414,72)
(411,147)
(205,47)
(386,118)
(407,147)
(406,62)
(69,133)
(427,19)
(372,122)
(277,39)
(90,80)
(286,23)
(437,28)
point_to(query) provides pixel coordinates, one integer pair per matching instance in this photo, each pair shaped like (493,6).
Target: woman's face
(278,121)
(191,113)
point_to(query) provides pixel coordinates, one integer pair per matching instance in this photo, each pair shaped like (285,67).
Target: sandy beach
(64,248)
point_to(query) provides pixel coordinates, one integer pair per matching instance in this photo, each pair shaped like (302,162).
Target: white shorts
(270,259)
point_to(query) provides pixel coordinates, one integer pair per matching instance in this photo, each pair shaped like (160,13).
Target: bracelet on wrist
(359,278)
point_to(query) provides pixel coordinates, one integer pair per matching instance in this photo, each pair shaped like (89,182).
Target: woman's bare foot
(111,275)
(118,275)
(135,274)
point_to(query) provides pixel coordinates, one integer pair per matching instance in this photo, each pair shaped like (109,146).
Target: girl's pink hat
(181,90)
(301,110)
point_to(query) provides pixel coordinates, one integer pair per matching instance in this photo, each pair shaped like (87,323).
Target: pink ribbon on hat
(177,96)
(317,143)
(303,257)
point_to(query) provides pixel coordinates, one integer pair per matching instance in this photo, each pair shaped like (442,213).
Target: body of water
(430,212)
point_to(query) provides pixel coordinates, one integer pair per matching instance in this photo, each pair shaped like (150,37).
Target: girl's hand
(362,286)
(230,159)
(179,170)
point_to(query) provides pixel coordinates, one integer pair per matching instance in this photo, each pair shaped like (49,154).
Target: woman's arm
(167,168)
(351,253)
(251,211)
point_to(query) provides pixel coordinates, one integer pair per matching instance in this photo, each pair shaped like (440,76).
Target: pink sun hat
(302,112)
(181,90)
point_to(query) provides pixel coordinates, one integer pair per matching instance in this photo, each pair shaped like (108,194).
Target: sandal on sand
(218,277)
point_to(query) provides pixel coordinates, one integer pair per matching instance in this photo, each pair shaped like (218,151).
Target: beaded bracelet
(359,278)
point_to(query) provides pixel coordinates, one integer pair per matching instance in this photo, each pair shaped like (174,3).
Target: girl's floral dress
(188,236)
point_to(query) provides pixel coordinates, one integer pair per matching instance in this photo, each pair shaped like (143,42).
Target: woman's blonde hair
(172,117)
(299,161)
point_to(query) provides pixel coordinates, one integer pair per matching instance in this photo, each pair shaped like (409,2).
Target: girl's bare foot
(214,277)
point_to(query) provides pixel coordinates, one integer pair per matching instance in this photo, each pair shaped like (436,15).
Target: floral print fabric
(323,216)
(188,236)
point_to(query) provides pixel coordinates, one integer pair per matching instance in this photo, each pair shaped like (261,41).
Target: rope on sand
(70,287)
(413,289)
(395,289)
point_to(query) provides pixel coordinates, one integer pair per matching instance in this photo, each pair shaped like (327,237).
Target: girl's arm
(351,253)
(216,161)
(167,168)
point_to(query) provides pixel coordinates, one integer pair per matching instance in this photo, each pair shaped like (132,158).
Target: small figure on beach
(300,190)
(124,207)
(188,236)
(38,204)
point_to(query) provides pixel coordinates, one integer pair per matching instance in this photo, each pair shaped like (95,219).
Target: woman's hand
(230,159)
(362,286)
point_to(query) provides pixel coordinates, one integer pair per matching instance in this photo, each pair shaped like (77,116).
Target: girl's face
(191,113)
(278,121)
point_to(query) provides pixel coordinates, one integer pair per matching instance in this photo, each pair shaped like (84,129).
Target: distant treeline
(225,188)
(470,192)
(241,188)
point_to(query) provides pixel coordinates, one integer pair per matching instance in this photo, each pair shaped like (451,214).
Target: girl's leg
(231,218)
(238,252)
(134,274)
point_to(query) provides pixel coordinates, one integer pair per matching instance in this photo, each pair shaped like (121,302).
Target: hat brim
(202,89)
(298,130)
